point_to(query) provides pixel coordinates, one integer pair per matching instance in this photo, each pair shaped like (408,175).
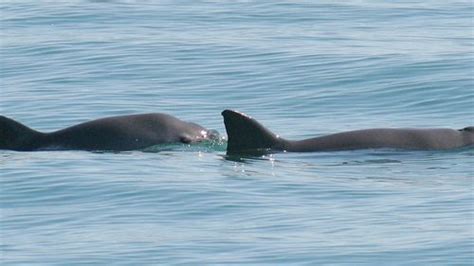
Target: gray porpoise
(246,135)
(119,133)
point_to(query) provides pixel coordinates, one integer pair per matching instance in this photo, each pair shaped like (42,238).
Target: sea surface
(301,68)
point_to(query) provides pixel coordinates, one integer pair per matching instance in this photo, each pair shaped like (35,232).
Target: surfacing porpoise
(245,134)
(118,133)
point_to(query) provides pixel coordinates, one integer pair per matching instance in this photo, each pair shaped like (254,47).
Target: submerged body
(119,133)
(399,138)
(245,134)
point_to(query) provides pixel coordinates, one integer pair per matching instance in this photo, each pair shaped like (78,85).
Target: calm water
(303,68)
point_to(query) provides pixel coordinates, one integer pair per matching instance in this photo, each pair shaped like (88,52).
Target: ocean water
(302,68)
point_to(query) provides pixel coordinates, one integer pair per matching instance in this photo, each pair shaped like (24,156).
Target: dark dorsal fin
(16,136)
(245,134)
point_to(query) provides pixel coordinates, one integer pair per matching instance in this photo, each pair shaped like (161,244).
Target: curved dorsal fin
(16,136)
(245,134)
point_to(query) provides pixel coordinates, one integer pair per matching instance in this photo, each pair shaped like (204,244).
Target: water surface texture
(302,68)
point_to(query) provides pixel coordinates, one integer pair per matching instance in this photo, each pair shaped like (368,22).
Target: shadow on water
(349,157)
(247,158)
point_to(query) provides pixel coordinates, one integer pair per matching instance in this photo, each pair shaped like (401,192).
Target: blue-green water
(302,68)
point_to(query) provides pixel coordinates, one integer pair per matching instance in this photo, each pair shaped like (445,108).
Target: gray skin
(246,135)
(119,133)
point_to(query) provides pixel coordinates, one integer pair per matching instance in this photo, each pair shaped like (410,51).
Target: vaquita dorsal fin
(245,134)
(14,135)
